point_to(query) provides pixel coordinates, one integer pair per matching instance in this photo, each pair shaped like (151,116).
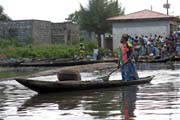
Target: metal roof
(141,15)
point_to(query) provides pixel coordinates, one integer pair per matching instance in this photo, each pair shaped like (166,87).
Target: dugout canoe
(10,64)
(158,60)
(62,63)
(63,86)
(52,63)
(176,58)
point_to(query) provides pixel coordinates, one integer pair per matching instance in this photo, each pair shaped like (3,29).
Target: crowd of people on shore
(153,46)
(156,46)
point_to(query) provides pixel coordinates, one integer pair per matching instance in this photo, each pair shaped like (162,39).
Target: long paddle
(106,78)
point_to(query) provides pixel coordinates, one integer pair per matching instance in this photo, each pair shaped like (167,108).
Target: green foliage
(40,52)
(11,49)
(89,46)
(94,17)
(3,16)
(74,17)
(4,43)
(104,52)
(81,39)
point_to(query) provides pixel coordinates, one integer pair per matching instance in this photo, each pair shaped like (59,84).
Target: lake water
(158,100)
(8,72)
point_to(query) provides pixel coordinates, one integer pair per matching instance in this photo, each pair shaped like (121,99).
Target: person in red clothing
(128,67)
(128,102)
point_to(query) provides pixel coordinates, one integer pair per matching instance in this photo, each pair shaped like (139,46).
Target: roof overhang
(176,19)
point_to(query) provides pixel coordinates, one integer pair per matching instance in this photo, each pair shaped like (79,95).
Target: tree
(74,17)
(3,16)
(94,17)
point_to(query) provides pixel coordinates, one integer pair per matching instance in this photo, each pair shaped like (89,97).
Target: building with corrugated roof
(145,22)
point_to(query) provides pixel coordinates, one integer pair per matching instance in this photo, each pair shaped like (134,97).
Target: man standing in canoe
(126,62)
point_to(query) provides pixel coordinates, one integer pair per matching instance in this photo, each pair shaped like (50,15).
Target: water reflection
(11,96)
(65,101)
(128,104)
(100,104)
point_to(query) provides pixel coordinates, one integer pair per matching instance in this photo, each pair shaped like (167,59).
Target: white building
(145,22)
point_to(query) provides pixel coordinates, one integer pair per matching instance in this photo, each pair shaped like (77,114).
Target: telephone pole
(167,6)
(151,8)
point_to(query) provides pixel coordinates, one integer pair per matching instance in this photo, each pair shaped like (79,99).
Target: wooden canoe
(176,58)
(10,64)
(62,63)
(159,60)
(63,86)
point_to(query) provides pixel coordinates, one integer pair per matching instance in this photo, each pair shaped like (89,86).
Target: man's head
(124,37)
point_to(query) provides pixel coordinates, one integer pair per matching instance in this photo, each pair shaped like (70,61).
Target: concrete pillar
(102,41)
(65,37)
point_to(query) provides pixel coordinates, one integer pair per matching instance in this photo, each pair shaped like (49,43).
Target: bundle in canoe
(63,86)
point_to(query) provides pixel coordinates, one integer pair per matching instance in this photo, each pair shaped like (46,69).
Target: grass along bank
(9,48)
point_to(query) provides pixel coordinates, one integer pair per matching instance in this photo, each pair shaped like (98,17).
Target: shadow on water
(99,104)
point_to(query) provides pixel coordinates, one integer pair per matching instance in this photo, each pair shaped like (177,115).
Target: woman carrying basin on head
(126,62)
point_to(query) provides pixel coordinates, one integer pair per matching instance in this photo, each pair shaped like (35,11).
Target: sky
(58,10)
